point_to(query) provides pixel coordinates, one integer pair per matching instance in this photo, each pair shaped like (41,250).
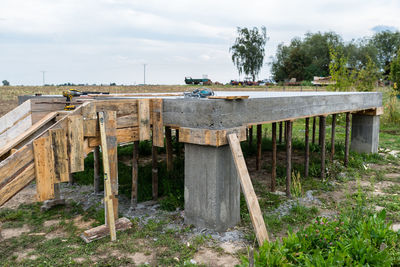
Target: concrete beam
(365,133)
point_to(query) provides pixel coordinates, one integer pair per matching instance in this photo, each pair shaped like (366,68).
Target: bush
(353,239)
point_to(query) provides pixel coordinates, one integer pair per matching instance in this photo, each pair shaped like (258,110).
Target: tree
(339,71)
(367,76)
(6,83)
(387,43)
(248,50)
(395,72)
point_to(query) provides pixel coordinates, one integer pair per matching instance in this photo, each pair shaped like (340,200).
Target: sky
(109,41)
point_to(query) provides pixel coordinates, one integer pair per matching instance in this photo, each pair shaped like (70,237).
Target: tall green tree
(5,83)
(387,43)
(395,72)
(341,74)
(248,50)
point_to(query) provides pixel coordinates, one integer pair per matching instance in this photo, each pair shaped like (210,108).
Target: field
(355,194)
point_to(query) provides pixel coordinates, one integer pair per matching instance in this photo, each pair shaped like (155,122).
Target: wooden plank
(13,117)
(250,140)
(333,136)
(123,107)
(61,161)
(313,130)
(144,119)
(10,167)
(107,175)
(168,144)
(17,184)
(44,168)
(209,137)
(259,139)
(371,112)
(236,97)
(280,132)
(157,121)
(273,167)
(347,140)
(89,119)
(96,169)
(323,147)
(127,121)
(75,143)
(135,173)
(248,190)
(103,230)
(125,135)
(307,148)
(288,157)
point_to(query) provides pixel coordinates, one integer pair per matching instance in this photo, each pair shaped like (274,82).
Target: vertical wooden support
(75,143)
(288,157)
(154,171)
(110,124)
(285,131)
(248,190)
(44,168)
(333,136)
(135,173)
(144,119)
(347,138)
(107,175)
(307,148)
(313,130)
(61,162)
(168,144)
(322,130)
(178,146)
(96,169)
(280,132)
(259,139)
(157,121)
(89,119)
(273,167)
(251,136)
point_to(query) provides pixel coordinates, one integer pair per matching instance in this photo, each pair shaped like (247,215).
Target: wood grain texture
(61,161)
(125,135)
(209,137)
(144,119)
(102,231)
(44,168)
(248,190)
(157,122)
(11,166)
(89,119)
(75,143)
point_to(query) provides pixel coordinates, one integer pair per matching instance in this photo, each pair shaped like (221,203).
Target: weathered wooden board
(26,176)
(102,231)
(89,119)
(10,167)
(144,119)
(124,135)
(209,137)
(18,129)
(12,118)
(44,168)
(123,107)
(61,161)
(75,143)
(157,121)
(248,190)
(127,121)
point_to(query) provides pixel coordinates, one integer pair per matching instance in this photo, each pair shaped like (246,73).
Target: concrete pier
(365,133)
(212,189)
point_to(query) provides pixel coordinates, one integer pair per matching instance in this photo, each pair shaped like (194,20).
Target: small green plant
(296,185)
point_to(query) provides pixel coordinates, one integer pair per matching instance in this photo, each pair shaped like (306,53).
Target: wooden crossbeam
(209,137)
(248,190)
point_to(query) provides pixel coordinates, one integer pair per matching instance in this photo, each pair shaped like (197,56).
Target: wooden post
(168,144)
(288,157)
(322,129)
(96,169)
(320,132)
(307,148)
(273,167)
(154,171)
(248,190)
(346,143)
(259,139)
(251,136)
(285,132)
(178,146)
(333,136)
(313,131)
(280,132)
(107,178)
(135,173)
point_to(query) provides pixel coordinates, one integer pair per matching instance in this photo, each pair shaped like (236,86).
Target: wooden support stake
(313,131)
(322,141)
(144,119)
(135,173)
(157,121)
(107,181)
(61,162)
(307,148)
(273,168)
(248,190)
(259,139)
(347,138)
(96,169)
(288,157)
(168,144)
(178,145)
(280,133)
(320,132)
(285,132)
(75,143)
(251,136)
(154,171)
(333,136)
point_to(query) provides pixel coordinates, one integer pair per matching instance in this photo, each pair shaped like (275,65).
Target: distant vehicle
(203,81)
(248,81)
(267,82)
(320,81)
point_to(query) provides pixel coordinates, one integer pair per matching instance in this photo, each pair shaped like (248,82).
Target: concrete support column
(364,133)
(212,188)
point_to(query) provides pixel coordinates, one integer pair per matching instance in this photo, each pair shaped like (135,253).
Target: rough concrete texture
(212,189)
(219,113)
(365,133)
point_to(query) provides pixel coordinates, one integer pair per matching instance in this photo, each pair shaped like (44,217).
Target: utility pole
(43,72)
(144,74)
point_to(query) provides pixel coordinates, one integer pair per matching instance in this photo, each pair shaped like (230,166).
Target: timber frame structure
(39,140)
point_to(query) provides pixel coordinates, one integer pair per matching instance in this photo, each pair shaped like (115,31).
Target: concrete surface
(365,133)
(212,189)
